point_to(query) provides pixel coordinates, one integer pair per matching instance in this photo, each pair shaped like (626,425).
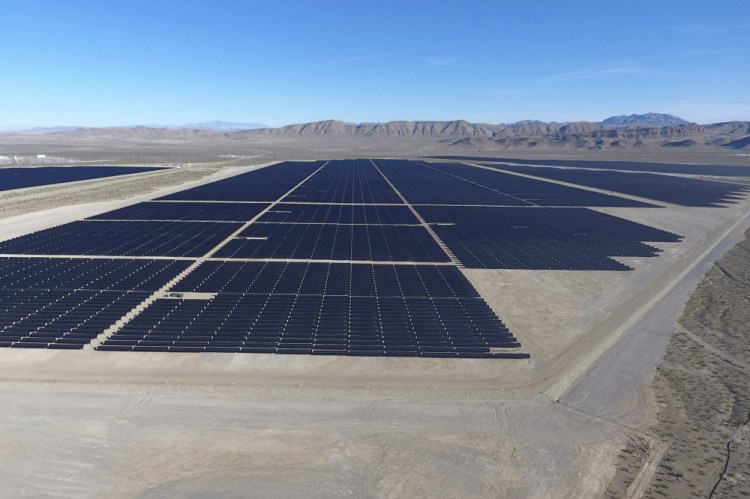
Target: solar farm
(445,323)
(343,257)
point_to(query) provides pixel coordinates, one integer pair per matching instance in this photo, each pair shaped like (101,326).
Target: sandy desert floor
(93,424)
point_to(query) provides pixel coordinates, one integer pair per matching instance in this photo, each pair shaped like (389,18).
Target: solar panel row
(310,324)
(136,238)
(335,242)
(422,185)
(328,279)
(218,212)
(683,191)
(60,318)
(533,191)
(346,181)
(343,214)
(717,170)
(540,238)
(79,273)
(20,178)
(265,184)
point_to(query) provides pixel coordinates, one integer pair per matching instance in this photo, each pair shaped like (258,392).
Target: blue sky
(111,62)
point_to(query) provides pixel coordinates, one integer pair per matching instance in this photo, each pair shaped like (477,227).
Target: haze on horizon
(90,63)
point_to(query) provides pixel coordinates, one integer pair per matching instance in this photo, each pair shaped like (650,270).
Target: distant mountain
(459,134)
(41,130)
(648,119)
(224,126)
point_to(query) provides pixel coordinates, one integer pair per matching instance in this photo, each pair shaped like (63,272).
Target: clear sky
(124,62)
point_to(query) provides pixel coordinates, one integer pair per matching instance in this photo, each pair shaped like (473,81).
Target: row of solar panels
(320,308)
(480,237)
(340,325)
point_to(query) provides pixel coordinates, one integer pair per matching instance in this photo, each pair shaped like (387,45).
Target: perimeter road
(685,278)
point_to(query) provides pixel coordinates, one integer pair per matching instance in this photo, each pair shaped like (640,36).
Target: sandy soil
(701,389)
(87,424)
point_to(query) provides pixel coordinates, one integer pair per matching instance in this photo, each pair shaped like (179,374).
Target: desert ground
(599,409)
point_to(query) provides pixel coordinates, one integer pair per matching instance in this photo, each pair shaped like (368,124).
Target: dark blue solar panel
(420,184)
(692,169)
(138,238)
(60,318)
(19,178)
(538,192)
(95,274)
(346,181)
(66,302)
(541,238)
(320,324)
(327,279)
(335,242)
(344,214)
(667,188)
(265,184)
(220,212)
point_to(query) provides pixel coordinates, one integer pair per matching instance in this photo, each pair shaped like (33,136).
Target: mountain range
(634,131)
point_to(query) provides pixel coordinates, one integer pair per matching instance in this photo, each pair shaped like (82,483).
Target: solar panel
(541,238)
(346,181)
(265,184)
(337,213)
(135,238)
(335,242)
(636,166)
(538,192)
(322,309)
(667,188)
(422,185)
(218,212)
(20,178)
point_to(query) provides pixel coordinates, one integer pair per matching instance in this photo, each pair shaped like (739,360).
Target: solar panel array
(335,242)
(348,181)
(20,178)
(316,278)
(541,238)
(218,212)
(66,303)
(131,238)
(533,191)
(308,258)
(422,185)
(340,214)
(692,169)
(328,309)
(265,184)
(683,191)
